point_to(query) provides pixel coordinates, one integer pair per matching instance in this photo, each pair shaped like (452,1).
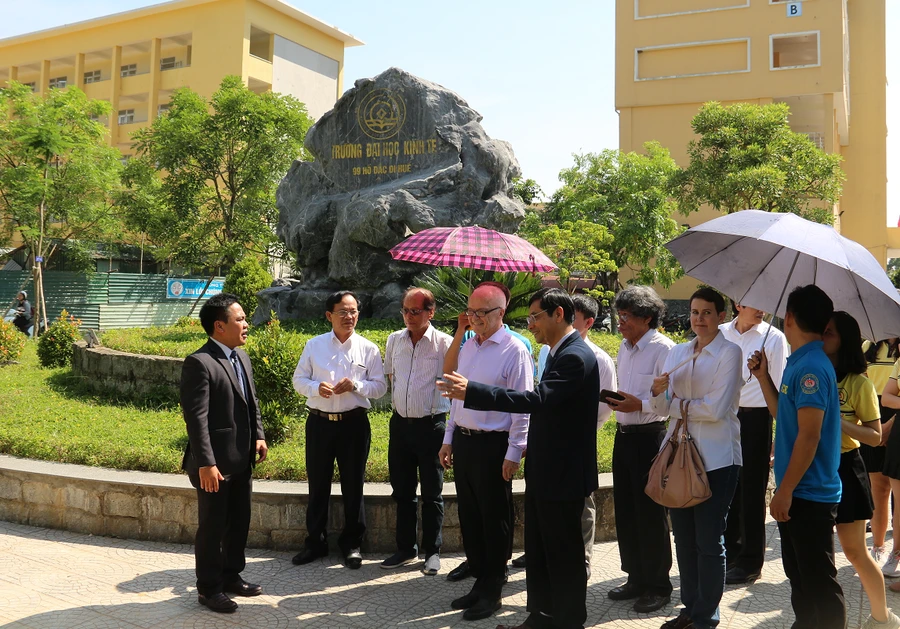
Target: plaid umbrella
(472,248)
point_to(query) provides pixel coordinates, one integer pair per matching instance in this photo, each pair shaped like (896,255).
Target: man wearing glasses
(485,448)
(413,360)
(338,372)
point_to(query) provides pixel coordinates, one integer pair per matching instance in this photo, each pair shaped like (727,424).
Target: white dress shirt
(777,352)
(712,382)
(638,365)
(414,370)
(606,367)
(503,361)
(326,359)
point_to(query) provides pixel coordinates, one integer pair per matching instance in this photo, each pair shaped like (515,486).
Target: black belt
(471,432)
(752,409)
(627,429)
(336,417)
(415,419)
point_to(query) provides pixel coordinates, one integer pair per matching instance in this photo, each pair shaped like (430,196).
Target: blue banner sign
(183,288)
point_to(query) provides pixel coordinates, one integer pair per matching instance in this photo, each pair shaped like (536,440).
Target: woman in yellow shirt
(860,415)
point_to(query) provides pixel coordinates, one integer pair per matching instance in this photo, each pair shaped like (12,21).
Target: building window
(32,85)
(126,116)
(169,63)
(129,70)
(58,82)
(94,76)
(794,50)
(163,109)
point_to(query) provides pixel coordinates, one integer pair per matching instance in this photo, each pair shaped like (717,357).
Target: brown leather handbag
(677,476)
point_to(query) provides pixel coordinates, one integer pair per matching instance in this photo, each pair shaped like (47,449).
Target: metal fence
(103,301)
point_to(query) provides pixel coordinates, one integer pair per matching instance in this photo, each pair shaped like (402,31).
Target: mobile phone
(606,395)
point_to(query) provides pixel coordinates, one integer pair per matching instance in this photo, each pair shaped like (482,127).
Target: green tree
(452,286)
(57,174)
(245,279)
(747,157)
(628,195)
(526,190)
(203,185)
(580,249)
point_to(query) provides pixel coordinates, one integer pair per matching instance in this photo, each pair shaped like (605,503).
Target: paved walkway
(59,580)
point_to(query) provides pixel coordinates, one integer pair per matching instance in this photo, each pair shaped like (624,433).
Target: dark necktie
(239,372)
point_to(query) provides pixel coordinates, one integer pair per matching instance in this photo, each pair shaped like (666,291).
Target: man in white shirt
(745,534)
(413,360)
(338,373)
(642,529)
(485,449)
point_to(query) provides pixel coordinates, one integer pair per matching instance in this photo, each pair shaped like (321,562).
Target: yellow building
(824,58)
(137,58)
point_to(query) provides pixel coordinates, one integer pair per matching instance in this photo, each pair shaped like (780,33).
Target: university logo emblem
(381,114)
(809,384)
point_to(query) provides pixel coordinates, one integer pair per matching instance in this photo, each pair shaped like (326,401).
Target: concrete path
(58,580)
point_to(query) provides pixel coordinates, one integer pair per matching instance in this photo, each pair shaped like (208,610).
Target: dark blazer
(222,425)
(561,462)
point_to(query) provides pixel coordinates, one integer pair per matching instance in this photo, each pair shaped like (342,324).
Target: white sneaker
(878,554)
(892,622)
(891,568)
(432,565)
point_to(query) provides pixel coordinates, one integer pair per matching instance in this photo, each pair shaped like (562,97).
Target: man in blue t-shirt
(807,453)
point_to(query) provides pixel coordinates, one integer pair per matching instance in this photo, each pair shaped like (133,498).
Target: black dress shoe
(459,573)
(519,562)
(242,588)
(625,592)
(218,603)
(465,602)
(308,555)
(679,622)
(482,609)
(738,575)
(353,559)
(650,602)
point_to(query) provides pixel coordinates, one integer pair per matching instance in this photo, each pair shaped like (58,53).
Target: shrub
(274,353)
(187,322)
(55,345)
(245,279)
(12,342)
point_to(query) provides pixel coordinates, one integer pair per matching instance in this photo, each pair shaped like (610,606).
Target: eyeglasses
(532,318)
(413,312)
(624,317)
(347,314)
(480,314)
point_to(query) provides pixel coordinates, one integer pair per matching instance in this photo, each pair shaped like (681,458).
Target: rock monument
(396,155)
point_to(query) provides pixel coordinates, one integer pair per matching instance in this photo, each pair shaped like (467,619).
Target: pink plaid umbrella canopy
(472,248)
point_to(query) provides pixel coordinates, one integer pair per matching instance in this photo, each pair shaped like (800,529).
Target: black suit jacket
(561,462)
(223,426)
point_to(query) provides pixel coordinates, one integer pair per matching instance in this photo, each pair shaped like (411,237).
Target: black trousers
(347,442)
(485,507)
(745,534)
(223,522)
(413,449)
(556,577)
(641,525)
(807,551)
(22,323)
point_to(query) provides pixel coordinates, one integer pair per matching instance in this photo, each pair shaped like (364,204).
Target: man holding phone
(641,525)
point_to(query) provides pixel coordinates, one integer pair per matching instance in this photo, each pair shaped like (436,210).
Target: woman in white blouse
(710,379)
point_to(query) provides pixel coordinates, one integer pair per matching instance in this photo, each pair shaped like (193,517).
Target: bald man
(485,449)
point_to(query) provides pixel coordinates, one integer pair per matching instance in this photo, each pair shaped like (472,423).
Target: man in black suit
(561,461)
(225,437)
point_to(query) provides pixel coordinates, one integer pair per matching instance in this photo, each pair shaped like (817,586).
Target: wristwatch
(357,386)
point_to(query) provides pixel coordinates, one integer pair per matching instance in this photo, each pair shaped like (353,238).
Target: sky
(540,73)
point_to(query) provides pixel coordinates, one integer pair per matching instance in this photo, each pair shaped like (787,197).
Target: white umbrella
(757,258)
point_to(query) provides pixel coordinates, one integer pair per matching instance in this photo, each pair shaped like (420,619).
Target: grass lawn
(48,414)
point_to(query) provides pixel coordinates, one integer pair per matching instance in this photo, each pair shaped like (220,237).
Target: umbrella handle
(762,347)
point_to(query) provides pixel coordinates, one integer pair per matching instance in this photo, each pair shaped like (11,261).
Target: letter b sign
(794,9)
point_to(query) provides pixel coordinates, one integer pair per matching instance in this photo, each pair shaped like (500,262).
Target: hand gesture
(262,450)
(630,404)
(325,390)
(445,455)
(660,384)
(453,386)
(509,469)
(780,507)
(344,385)
(758,364)
(209,478)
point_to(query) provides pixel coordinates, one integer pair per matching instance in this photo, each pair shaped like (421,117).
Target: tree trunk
(200,296)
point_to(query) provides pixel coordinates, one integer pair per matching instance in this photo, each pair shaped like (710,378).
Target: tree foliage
(628,195)
(203,185)
(747,157)
(527,190)
(245,279)
(452,286)
(57,172)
